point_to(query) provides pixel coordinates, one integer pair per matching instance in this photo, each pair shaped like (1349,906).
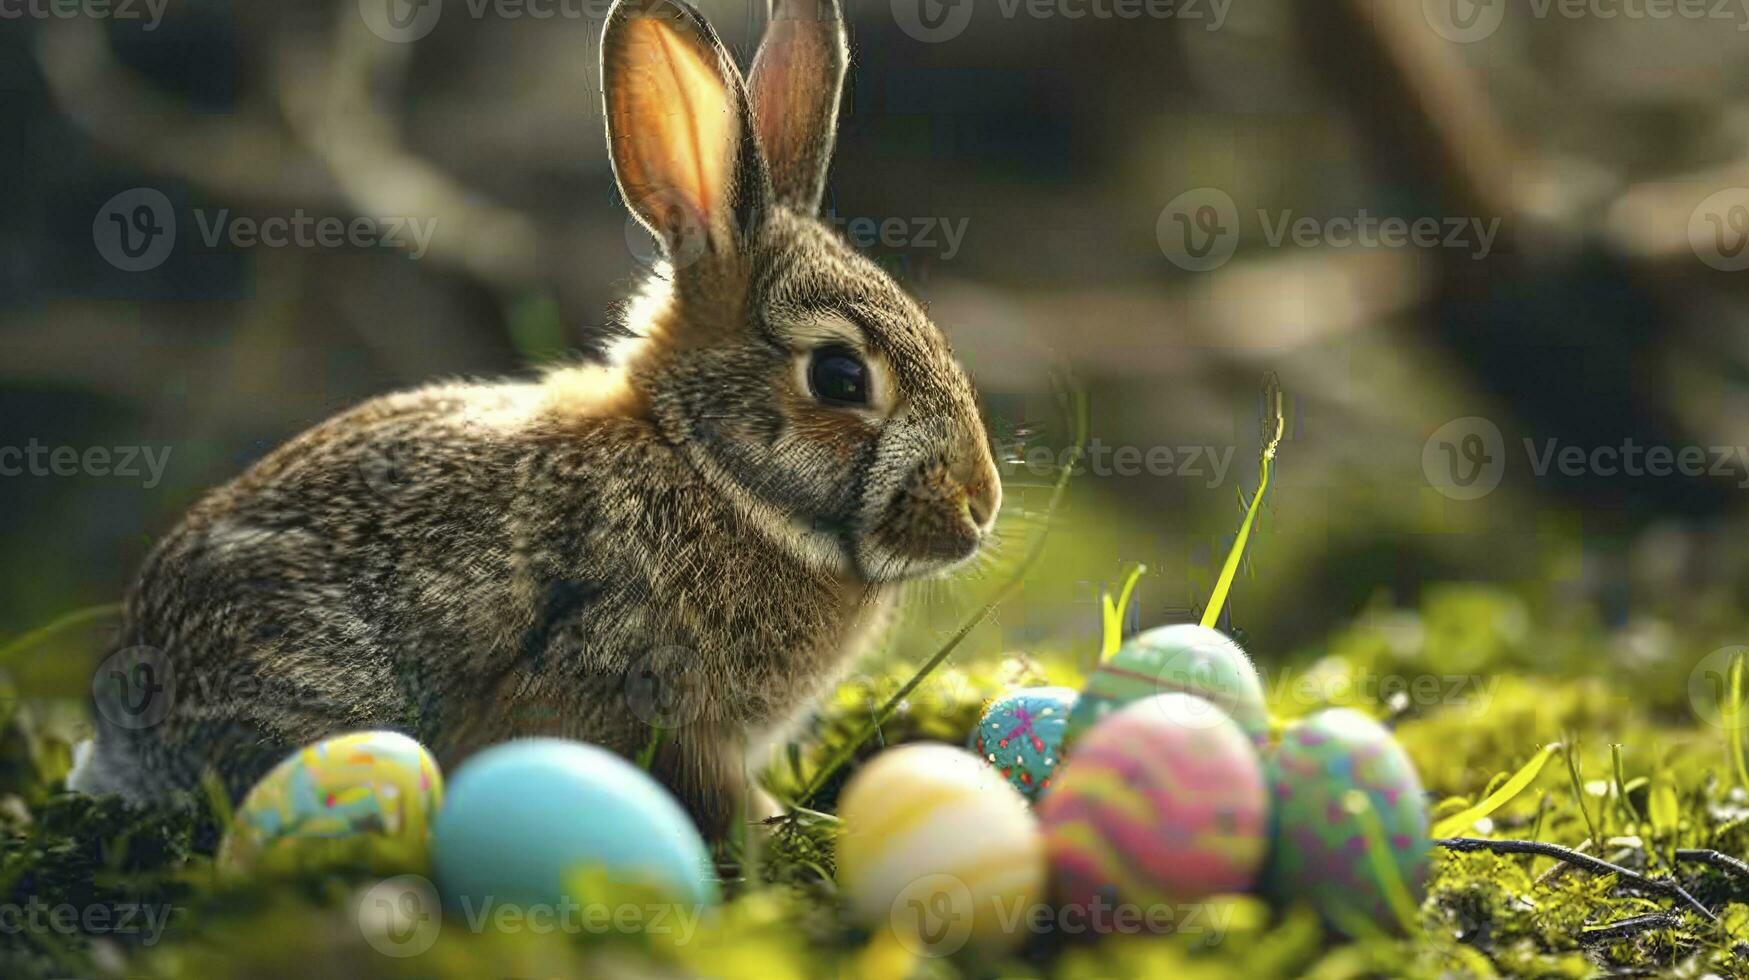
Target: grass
(1646,778)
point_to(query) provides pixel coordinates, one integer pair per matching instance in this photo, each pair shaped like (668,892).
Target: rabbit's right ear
(798,82)
(679,129)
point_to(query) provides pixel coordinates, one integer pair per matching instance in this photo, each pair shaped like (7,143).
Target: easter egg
(1021,734)
(1184,658)
(1160,804)
(1319,852)
(527,822)
(939,849)
(370,783)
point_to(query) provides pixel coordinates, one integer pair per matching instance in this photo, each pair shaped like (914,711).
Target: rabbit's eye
(838,377)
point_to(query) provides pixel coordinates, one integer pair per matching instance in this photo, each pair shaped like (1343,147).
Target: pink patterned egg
(1161,803)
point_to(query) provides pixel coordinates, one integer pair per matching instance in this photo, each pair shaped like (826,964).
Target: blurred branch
(326,95)
(245,156)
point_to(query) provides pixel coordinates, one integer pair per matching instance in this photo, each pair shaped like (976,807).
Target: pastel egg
(1319,852)
(1160,804)
(938,848)
(381,784)
(1184,658)
(1021,734)
(529,822)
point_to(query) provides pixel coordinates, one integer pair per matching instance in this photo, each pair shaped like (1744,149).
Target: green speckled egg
(1318,852)
(1185,659)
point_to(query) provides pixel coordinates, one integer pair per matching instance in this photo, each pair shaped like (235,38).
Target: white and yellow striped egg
(941,850)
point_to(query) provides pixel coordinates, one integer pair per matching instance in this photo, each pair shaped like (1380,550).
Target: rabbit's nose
(983,499)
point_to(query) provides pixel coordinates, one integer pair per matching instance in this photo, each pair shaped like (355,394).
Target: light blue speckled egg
(528,820)
(1021,734)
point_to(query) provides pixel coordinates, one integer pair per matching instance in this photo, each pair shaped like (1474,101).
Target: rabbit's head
(793,371)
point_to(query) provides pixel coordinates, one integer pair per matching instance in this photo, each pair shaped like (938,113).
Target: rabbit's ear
(679,129)
(797,82)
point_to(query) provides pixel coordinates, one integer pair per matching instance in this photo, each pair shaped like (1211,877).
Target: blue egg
(1021,734)
(523,818)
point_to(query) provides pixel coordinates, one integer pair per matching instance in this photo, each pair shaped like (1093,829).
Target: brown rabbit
(699,534)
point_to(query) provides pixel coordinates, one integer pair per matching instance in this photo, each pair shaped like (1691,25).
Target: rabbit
(696,533)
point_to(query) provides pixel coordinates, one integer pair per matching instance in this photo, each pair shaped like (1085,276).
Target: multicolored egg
(1319,852)
(1021,734)
(1162,803)
(938,848)
(369,783)
(1184,658)
(528,822)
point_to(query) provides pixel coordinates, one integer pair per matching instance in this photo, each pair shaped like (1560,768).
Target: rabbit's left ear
(797,82)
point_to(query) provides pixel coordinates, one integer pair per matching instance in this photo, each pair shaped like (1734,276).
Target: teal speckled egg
(528,820)
(1319,848)
(1185,659)
(1021,734)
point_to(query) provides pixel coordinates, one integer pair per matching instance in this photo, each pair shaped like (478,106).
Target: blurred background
(1471,237)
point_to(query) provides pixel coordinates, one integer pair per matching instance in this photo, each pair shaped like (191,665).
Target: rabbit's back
(468,564)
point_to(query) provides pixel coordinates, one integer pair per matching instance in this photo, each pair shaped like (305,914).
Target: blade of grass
(48,631)
(1457,823)
(1378,855)
(1579,794)
(1114,612)
(1272,441)
(1731,711)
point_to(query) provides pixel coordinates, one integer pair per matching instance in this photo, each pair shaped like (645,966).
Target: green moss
(1530,676)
